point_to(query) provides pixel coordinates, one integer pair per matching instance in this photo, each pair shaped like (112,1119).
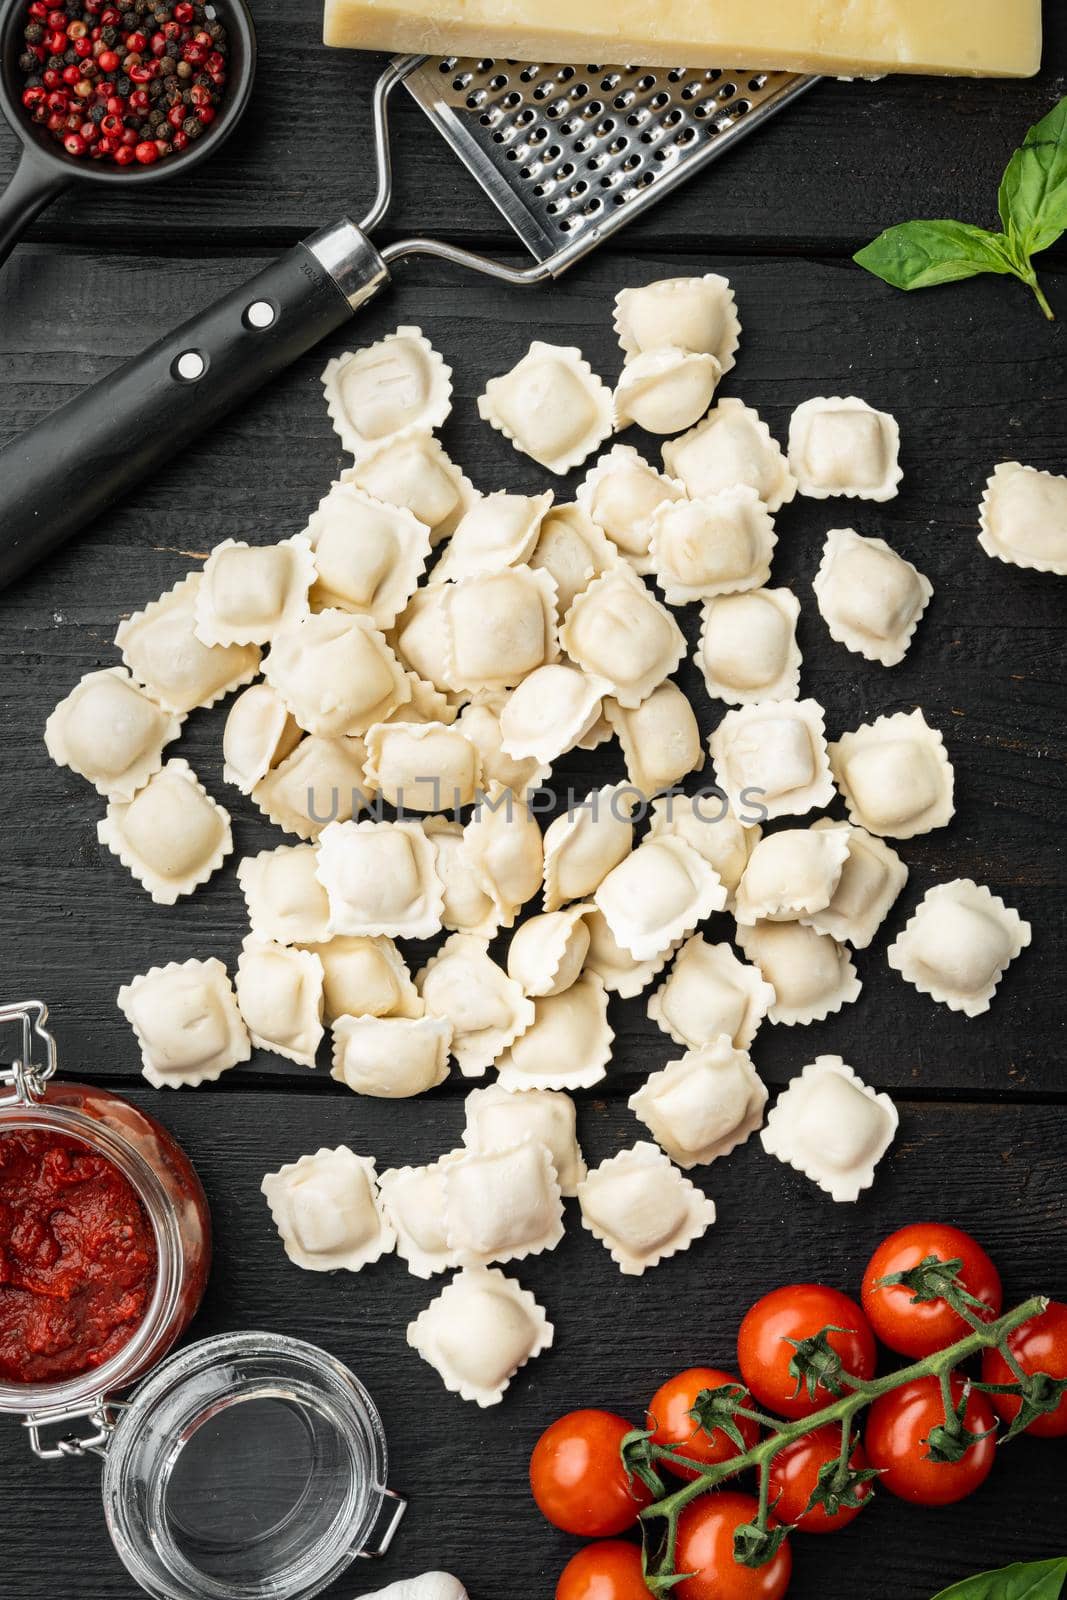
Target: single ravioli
(1024,518)
(771,758)
(369,556)
(721,544)
(319,782)
(732,446)
(641,1208)
(380,877)
(171,836)
(665,390)
(657,894)
(703,1105)
(871,879)
(832,1127)
(584,843)
(547,952)
(487,1009)
(391,1058)
(895,776)
(503,844)
(551,405)
(186,1021)
(110,731)
(843,446)
(958,945)
(660,738)
(160,647)
(870,598)
(697,314)
(549,712)
(413,1199)
(621,493)
(468,907)
(328,1212)
(279,994)
(336,673)
(386,388)
(499,626)
(478,1332)
(365,976)
(259,733)
(620,972)
(568,1044)
(502,1205)
(811,974)
(573,551)
(748,647)
(285,900)
(496,531)
(247,592)
(499,1119)
(706,822)
(709,993)
(618,631)
(791,874)
(422,766)
(412,469)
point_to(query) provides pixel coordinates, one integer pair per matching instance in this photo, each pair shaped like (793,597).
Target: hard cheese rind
(977,38)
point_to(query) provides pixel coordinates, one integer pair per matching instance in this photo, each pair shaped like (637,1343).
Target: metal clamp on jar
(248,1466)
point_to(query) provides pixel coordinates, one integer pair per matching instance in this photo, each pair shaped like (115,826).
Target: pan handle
(34,183)
(129,424)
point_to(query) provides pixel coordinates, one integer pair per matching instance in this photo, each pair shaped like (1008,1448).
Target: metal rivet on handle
(189,366)
(260,314)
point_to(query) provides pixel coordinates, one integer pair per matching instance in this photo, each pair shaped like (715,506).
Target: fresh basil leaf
(1033,191)
(917,255)
(1026,1580)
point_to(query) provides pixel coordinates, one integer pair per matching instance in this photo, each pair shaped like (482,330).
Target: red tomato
(795,1474)
(669,1415)
(578,1479)
(797,1311)
(898,1425)
(917,1328)
(610,1570)
(1040,1345)
(706,1549)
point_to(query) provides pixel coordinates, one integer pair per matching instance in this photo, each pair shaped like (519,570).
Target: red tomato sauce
(77,1258)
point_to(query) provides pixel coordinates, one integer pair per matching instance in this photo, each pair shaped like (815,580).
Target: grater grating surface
(568,154)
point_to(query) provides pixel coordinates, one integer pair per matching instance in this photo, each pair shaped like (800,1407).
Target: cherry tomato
(669,1415)
(915,1328)
(610,1570)
(705,1548)
(898,1425)
(797,1311)
(578,1479)
(795,1474)
(1040,1345)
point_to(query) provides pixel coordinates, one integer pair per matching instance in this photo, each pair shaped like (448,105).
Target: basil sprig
(1033,215)
(1026,1580)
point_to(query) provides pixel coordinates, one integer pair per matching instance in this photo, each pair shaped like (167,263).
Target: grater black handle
(123,428)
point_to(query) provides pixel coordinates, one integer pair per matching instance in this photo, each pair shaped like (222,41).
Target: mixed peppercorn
(128,82)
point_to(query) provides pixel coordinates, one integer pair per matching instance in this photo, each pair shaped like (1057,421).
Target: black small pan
(45,169)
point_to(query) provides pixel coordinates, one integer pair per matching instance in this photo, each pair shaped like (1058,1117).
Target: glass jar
(248,1466)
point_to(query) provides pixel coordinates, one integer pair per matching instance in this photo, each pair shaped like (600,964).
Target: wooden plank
(833,171)
(993,1170)
(985,664)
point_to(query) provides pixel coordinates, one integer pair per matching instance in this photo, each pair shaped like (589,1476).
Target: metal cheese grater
(567,154)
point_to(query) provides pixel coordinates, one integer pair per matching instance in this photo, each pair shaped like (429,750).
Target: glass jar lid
(249,1466)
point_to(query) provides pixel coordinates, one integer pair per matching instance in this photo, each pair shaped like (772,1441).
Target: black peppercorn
(123,86)
(130,20)
(109,36)
(55,63)
(155,89)
(155,118)
(98,113)
(35,81)
(71,58)
(27,61)
(34,32)
(193,127)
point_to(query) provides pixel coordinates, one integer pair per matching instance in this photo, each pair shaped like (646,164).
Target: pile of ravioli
(427,654)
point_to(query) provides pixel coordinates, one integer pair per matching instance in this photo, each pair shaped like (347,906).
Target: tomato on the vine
(578,1479)
(669,1414)
(919,1328)
(610,1570)
(796,1312)
(1039,1345)
(898,1426)
(794,1477)
(705,1548)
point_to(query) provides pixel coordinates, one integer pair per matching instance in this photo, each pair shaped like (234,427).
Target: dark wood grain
(303,154)
(994,1170)
(985,665)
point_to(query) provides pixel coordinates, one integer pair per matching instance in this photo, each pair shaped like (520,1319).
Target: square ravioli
(551,405)
(549,712)
(499,1119)
(895,776)
(585,842)
(703,1105)
(110,731)
(573,551)
(478,1332)
(171,836)
(721,544)
(414,1202)
(709,993)
(811,974)
(832,1127)
(496,531)
(319,782)
(771,758)
(870,598)
(487,1010)
(502,846)
(1023,518)
(657,894)
(641,1208)
(697,314)
(748,647)
(567,1045)
(411,469)
(621,494)
(285,900)
(186,1021)
(733,445)
(247,592)
(391,1058)
(279,994)
(871,879)
(365,977)
(502,1205)
(328,1211)
(665,390)
(259,733)
(618,631)
(791,874)
(843,446)
(497,627)
(380,877)
(660,738)
(335,673)
(160,647)
(421,766)
(386,388)
(958,945)
(368,557)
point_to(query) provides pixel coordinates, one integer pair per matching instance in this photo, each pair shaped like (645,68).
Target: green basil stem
(986,1336)
(1028,275)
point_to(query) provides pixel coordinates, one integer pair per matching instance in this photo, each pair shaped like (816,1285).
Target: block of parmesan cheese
(979,38)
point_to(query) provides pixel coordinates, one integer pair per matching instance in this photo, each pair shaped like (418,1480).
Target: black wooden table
(975,376)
